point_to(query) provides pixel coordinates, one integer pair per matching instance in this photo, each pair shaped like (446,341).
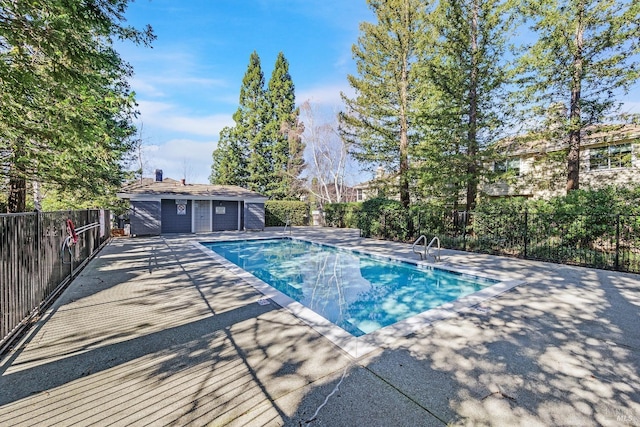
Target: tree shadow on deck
(186,343)
(546,353)
(179,344)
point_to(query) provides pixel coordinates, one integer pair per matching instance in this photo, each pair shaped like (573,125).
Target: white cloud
(143,87)
(166,116)
(182,158)
(154,107)
(149,86)
(182,80)
(327,96)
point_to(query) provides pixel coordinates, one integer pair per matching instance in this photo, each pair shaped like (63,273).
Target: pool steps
(424,254)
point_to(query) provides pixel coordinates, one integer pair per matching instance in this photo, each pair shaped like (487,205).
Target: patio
(154,332)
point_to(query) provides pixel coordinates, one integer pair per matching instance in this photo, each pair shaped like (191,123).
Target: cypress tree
(283,131)
(250,119)
(229,162)
(264,150)
(243,155)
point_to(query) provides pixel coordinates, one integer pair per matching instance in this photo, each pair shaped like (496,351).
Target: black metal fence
(609,242)
(36,264)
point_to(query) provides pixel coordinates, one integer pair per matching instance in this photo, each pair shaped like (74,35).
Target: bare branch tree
(330,160)
(187,170)
(139,159)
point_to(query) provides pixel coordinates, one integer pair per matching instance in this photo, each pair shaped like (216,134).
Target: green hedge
(599,228)
(386,219)
(342,215)
(277,212)
(578,219)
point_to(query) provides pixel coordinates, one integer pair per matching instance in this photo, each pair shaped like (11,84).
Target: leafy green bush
(431,219)
(502,205)
(278,211)
(583,227)
(342,215)
(584,216)
(578,219)
(384,218)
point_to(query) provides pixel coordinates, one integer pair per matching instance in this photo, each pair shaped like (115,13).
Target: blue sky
(187,85)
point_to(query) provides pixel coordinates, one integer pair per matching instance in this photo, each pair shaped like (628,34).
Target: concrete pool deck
(155,332)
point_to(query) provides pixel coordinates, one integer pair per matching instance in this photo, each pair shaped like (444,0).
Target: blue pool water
(355,291)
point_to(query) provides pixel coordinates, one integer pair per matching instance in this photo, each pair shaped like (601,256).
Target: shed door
(202,216)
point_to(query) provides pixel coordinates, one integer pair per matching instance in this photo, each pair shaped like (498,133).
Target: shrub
(278,211)
(502,205)
(429,219)
(342,215)
(384,218)
(584,216)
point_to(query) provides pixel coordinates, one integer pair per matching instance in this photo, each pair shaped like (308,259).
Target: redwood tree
(378,121)
(584,57)
(65,106)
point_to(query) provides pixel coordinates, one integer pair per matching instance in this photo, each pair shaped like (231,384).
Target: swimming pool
(358,292)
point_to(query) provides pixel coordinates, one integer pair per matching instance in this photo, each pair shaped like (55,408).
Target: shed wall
(254,216)
(171,221)
(144,218)
(228,220)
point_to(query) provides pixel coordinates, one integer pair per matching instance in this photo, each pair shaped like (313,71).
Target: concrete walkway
(154,332)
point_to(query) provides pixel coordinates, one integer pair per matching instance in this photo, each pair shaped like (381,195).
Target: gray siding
(254,216)
(171,221)
(228,221)
(144,218)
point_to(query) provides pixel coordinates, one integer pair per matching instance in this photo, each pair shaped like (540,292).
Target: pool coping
(357,347)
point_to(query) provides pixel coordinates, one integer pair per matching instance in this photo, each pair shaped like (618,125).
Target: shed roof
(168,188)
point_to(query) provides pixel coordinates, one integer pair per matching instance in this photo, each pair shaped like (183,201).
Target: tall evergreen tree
(264,150)
(283,131)
(229,161)
(379,121)
(585,56)
(465,79)
(65,106)
(251,117)
(243,156)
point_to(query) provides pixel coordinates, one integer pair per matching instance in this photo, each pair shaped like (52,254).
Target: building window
(507,165)
(610,157)
(359,195)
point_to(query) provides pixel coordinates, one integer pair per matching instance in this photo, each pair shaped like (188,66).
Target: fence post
(384,225)
(464,230)
(526,231)
(39,264)
(617,260)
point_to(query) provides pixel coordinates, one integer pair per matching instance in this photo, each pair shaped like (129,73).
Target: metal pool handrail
(426,252)
(436,258)
(287,224)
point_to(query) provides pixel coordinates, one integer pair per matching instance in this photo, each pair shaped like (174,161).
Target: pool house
(159,206)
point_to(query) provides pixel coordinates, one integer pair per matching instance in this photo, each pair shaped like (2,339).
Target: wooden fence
(37,261)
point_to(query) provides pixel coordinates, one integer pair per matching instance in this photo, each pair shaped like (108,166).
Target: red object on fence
(72,231)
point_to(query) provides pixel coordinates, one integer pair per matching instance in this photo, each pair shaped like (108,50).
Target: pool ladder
(426,252)
(287,224)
